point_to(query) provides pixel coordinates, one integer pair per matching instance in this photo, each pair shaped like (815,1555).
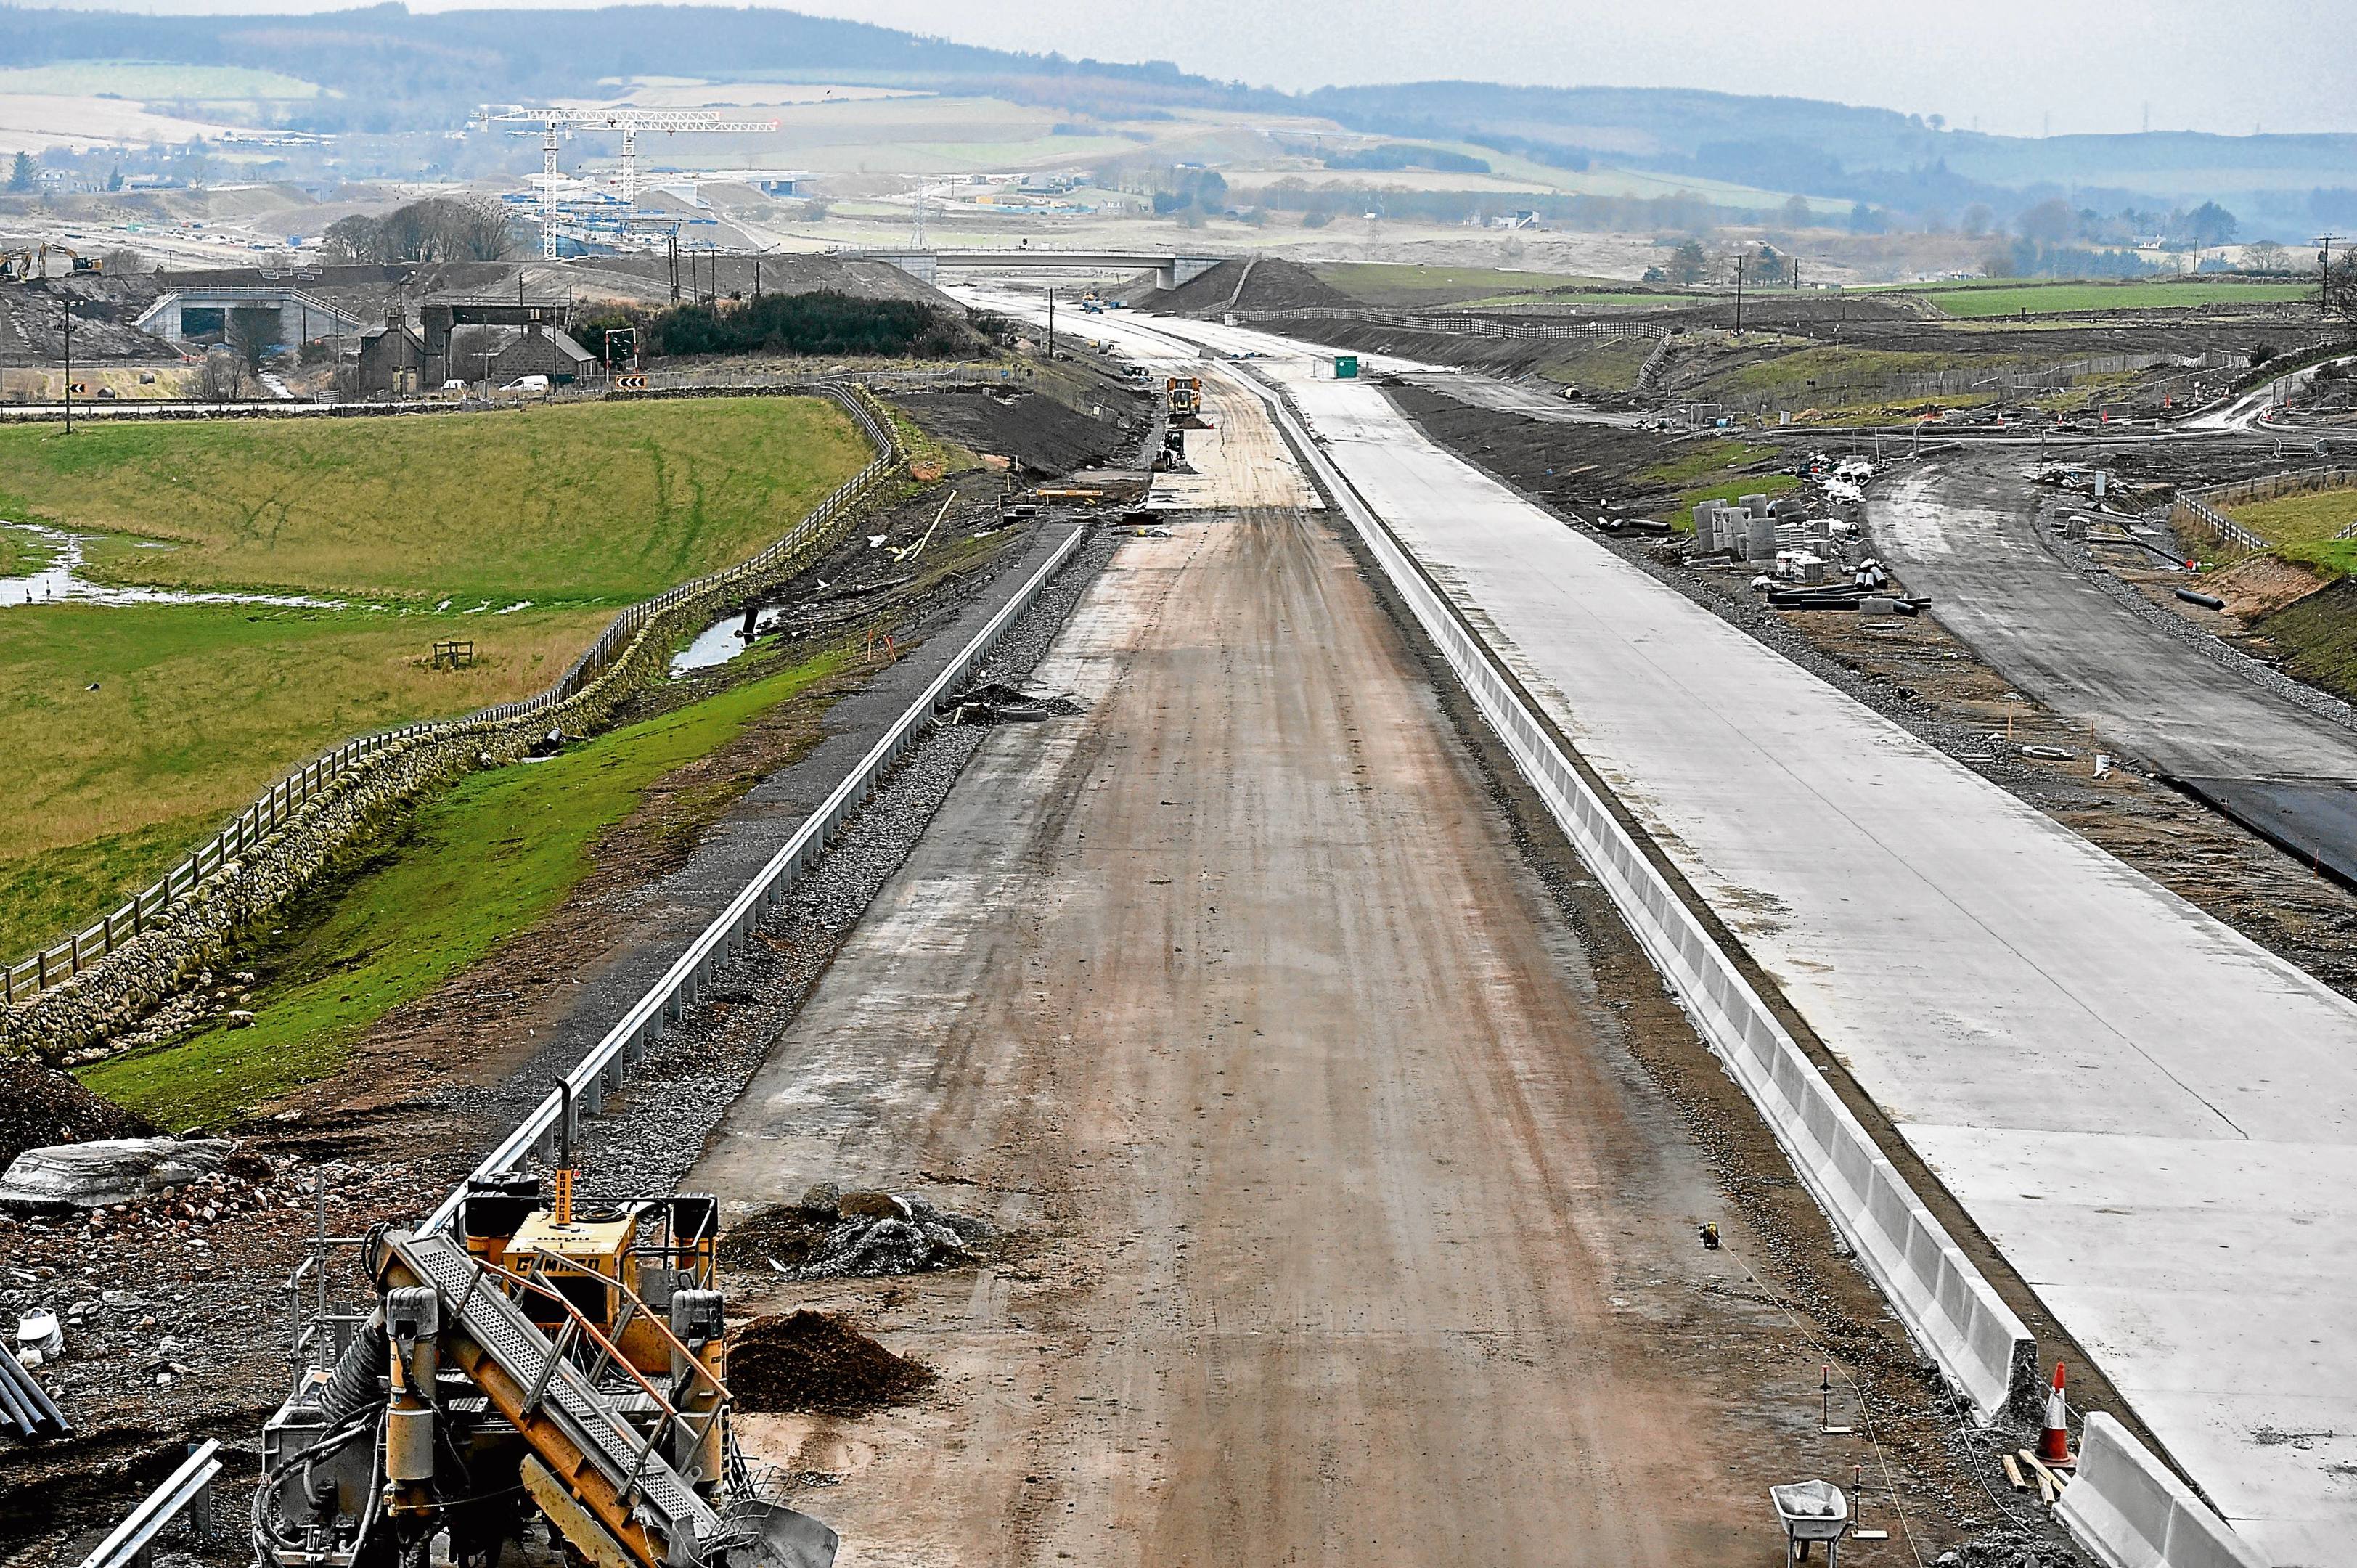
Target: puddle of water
(62,582)
(715,644)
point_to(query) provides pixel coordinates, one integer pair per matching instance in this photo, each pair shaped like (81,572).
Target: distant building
(389,358)
(539,350)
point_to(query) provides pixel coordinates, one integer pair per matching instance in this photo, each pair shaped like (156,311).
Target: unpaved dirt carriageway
(1348,1231)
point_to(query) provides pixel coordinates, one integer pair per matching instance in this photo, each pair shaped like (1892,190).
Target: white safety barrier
(2131,1512)
(610,1062)
(1952,1313)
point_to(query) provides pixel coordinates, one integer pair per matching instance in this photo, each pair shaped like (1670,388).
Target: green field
(476,866)
(602,502)
(23,553)
(2313,518)
(1396,283)
(2010,297)
(428,528)
(198,707)
(1709,470)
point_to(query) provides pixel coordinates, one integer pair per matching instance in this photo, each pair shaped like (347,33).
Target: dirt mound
(860,1234)
(2262,585)
(1037,434)
(40,1105)
(1272,285)
(647,279)
(816,1362)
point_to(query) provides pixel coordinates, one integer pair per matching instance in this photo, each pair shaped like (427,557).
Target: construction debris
(40,1105)
(27,1411)
(66,1176)
(860,1234)
(817,1363)
(997,704)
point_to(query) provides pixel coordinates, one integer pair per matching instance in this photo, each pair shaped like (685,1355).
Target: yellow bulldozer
(541,1356)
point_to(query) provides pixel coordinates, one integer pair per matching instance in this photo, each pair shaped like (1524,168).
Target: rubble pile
(997,702)
(816,1362)
(833,1234)
(40,1105)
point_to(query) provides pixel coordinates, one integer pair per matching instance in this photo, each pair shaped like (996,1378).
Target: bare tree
(2265,257)
(224,375)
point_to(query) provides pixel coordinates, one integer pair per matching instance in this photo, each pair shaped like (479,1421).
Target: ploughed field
(308,569)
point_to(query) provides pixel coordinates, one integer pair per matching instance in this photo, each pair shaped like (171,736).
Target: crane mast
(629,122)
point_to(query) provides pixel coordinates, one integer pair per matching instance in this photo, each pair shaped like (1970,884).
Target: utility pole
(1738,294)
(2324,276)
(672,239)
(1051,325)
(70,364)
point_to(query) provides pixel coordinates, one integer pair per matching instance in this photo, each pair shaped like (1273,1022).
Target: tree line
(438,228)
(820,323)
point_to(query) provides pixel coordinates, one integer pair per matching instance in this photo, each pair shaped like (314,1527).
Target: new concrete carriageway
(1169,269)
(1346,1227)
(2154,1119)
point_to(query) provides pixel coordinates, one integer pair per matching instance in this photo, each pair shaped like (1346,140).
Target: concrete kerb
(605,1067)
(1952,1312)
(196,927)
(2130,1511)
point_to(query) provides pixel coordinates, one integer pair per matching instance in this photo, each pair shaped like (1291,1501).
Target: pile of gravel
(816,1362)
(40,1106)
(833,1234)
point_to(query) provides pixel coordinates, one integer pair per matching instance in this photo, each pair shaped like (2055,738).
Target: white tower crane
(629,123)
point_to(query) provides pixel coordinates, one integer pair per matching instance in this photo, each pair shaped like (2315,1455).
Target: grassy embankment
(1406,286)
(2302,527)
(1715,470)
(2010,297)
(484,861)
(521,531)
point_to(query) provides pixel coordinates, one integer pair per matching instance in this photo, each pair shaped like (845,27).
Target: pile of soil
(832,1234)
(1275,285)
(39,1105)
(1038,434)
(817,1363)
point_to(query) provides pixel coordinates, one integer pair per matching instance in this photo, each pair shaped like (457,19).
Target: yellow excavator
(32,265)
(543,1355)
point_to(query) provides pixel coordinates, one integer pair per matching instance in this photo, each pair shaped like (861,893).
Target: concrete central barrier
(2131,1512)
(1952,1312)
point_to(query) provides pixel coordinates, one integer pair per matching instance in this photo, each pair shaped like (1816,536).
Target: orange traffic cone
(2054,1438)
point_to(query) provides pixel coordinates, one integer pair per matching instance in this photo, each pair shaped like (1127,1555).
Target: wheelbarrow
(1811,1510)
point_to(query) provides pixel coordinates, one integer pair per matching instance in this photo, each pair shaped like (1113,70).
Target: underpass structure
(2147,1114)
(1343,1223)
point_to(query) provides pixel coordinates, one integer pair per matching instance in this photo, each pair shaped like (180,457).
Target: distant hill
(393,71)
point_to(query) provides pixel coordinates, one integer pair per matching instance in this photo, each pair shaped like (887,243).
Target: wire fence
(53,966)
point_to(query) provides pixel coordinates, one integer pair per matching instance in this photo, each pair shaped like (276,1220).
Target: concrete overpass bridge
(1169,268)
(203,311)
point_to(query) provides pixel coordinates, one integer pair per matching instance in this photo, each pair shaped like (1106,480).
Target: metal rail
(53,966)
(608,1063)
(132,1540)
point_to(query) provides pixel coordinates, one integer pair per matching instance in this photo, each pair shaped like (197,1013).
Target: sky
(2021,68)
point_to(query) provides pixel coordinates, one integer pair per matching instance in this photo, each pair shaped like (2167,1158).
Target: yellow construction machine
(31,265)
(542,1354)
(1186,394)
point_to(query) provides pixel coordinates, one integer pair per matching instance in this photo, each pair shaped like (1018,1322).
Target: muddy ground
(438,1080)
